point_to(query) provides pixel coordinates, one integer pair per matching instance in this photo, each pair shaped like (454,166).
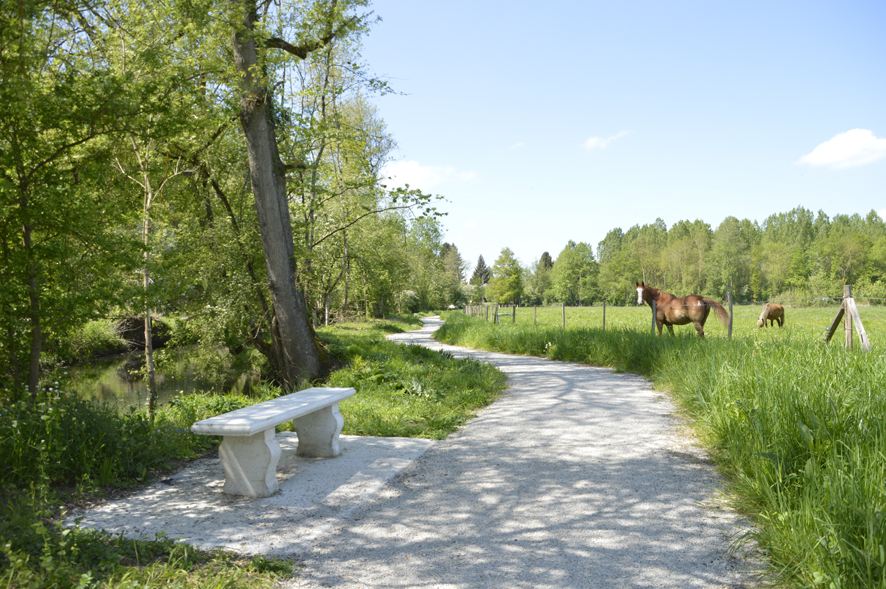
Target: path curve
(576,477)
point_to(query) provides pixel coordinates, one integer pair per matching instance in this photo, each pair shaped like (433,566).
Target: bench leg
(250,464)
(318,432)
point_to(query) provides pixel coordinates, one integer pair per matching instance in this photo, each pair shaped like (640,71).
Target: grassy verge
(798,427)
(405,391)
(69,450)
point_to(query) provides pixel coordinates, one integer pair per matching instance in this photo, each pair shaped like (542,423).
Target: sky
(541,123)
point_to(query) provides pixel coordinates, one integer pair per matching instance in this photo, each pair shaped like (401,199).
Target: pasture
(798,427)
(801,323)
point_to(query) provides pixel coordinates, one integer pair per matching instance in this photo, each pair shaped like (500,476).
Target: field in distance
(804,323)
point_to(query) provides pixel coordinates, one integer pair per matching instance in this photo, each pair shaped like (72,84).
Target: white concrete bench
(249,451)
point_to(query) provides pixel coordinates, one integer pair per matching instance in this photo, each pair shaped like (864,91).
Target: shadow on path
(575,477)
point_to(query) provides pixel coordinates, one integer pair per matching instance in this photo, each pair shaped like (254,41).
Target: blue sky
(541,123)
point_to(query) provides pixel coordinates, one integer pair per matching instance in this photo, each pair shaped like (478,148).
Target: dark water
(117,382)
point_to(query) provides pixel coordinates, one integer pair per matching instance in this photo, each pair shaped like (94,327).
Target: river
(111,381)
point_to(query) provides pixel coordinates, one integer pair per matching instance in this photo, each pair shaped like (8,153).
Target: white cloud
(517,145)
(421,176)
(852,148)
(601,142)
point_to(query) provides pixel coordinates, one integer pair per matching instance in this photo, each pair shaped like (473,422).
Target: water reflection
(117,382)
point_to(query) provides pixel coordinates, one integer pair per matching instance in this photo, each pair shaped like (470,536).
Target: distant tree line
(796,256)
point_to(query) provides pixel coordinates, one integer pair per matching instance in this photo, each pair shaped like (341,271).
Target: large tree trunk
(296,340)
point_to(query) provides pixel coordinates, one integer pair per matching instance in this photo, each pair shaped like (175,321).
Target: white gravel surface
(577,477)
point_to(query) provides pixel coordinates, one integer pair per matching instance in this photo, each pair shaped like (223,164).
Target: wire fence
(804,320)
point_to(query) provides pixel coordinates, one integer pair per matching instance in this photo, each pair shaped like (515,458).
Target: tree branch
(302,51)
(358,219)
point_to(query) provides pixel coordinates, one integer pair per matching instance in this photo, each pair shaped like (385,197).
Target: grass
(405,391)
(44,554)
(798,427)
(67,449)
(804,323)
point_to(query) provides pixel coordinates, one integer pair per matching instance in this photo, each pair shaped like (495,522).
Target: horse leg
(699,328)
(671,329)
(659,324)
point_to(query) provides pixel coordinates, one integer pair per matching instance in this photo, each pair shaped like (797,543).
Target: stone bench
(249,451)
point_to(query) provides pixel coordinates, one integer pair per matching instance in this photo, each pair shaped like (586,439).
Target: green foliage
(798,426)
(59,237)
(65,440)
(37,552)
(481,274)
(538,281)
(810,256)
(406,391)
(506,284)
(91,340)
(574,275)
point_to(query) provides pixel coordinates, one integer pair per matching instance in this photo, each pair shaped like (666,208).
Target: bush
(65,440)
(92,340)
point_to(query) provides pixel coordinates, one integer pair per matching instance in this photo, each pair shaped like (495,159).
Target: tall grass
(798,427)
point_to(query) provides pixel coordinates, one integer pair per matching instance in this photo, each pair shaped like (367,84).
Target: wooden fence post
(514,313)
(604,314)
(848,311)
(729,298)
(496,315)
(852,310)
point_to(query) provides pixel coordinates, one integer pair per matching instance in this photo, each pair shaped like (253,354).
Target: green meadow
(807,323)
(797,427)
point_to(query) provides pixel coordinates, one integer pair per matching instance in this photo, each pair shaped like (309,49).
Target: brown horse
(670,311)
(774,313)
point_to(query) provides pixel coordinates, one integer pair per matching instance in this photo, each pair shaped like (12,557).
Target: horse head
(641,288)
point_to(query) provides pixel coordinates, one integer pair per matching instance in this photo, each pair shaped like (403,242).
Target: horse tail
(721,311)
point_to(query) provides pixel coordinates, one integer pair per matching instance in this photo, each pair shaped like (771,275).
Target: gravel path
(576,477)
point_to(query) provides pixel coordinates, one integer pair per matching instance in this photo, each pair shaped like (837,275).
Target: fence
(847,313)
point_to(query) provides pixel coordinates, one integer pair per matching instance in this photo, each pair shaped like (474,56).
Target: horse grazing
(670,310)
(774,313)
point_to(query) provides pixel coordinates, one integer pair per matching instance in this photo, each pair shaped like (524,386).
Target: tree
(618,269)
(685,256)
(730,267)
(481,273)
(454,268)
(58,234)
(546,262)
(539,279)
(647,244)
(574,276)
(298,352)
(506,285)
(427,275)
